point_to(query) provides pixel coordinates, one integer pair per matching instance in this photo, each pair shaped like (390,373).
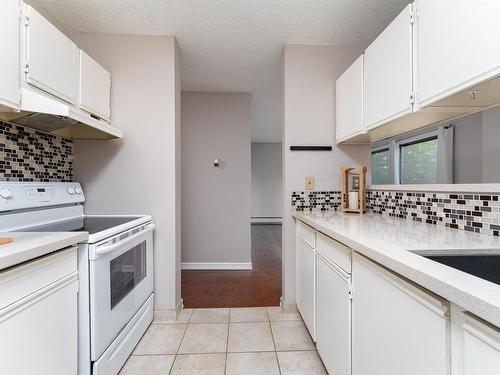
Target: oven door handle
(100,251)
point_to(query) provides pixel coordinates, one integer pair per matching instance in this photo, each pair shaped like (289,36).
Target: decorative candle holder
(353,189)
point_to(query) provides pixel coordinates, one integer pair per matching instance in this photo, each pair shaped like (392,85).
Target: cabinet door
(333,317)
(457,46)
(305,259)
(397,328)
(52,58)
(481,348)
(9,62)
(388,73)
(349,99)
(95,87)
(38,334)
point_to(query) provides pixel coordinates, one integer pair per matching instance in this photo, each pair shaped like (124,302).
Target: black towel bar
(310,148)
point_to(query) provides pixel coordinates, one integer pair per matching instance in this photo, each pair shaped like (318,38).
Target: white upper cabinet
(457,46)
(349,100)
(95,87)
(9,62)
(51,57)
(388,73)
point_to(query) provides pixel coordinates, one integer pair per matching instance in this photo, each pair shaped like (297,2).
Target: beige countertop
(30,245)
(395,244)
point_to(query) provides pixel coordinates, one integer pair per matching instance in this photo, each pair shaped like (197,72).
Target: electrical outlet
(309,182)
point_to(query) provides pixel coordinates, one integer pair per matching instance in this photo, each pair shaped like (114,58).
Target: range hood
(42,112)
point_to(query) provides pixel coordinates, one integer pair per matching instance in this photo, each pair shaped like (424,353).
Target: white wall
(491,145)
(139,174)
(216,201)
(309,74)
(468,149)
(477,148)
(266,180)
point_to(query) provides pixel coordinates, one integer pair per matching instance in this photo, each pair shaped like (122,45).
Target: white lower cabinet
(333,316)
(368,320)
(305,261)
(481,348)
(475,345)
(38,316)
(397,327)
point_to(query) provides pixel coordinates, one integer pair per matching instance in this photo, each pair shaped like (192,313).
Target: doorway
(256,288)
(231,206)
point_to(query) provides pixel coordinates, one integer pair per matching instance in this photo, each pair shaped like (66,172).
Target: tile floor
(254,340)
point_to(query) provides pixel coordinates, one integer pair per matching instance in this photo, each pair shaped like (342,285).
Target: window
(418,158)
(126,272)
(380,166)
(418,163)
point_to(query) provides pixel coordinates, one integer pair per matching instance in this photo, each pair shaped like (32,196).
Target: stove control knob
(71,191)
(78,190)
(5,193)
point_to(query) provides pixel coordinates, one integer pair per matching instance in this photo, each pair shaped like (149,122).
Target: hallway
(256,288)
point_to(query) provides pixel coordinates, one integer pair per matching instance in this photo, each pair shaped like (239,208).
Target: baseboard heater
(266,220)
(310,148)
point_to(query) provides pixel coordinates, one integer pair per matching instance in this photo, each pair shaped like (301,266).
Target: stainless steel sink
(485,266)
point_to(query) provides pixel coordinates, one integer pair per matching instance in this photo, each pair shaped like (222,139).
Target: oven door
(121,280)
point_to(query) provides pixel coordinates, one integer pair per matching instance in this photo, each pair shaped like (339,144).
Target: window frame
(381,147)
(394,145)
(408,141)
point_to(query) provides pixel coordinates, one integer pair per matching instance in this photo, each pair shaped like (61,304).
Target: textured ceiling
(234,45)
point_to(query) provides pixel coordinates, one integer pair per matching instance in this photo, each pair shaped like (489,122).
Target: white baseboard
(266,220)
(215,266)
(179,307)
(290,307)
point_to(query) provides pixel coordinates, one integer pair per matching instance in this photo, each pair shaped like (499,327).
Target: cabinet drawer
(306,232)
(334,251)
(21,281)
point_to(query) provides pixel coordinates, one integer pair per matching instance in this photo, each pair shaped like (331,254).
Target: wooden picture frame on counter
(353,189)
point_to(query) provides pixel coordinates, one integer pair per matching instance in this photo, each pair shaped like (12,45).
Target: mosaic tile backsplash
(478,213)
(467,211)
(315,200)
(30,155)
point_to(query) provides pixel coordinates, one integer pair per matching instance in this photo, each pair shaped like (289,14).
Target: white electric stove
(115,267)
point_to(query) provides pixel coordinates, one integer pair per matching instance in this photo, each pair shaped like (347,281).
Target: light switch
(309,183)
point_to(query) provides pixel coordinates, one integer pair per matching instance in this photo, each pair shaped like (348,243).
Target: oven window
(127,271)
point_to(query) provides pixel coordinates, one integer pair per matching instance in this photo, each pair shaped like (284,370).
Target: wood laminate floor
(256,288)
